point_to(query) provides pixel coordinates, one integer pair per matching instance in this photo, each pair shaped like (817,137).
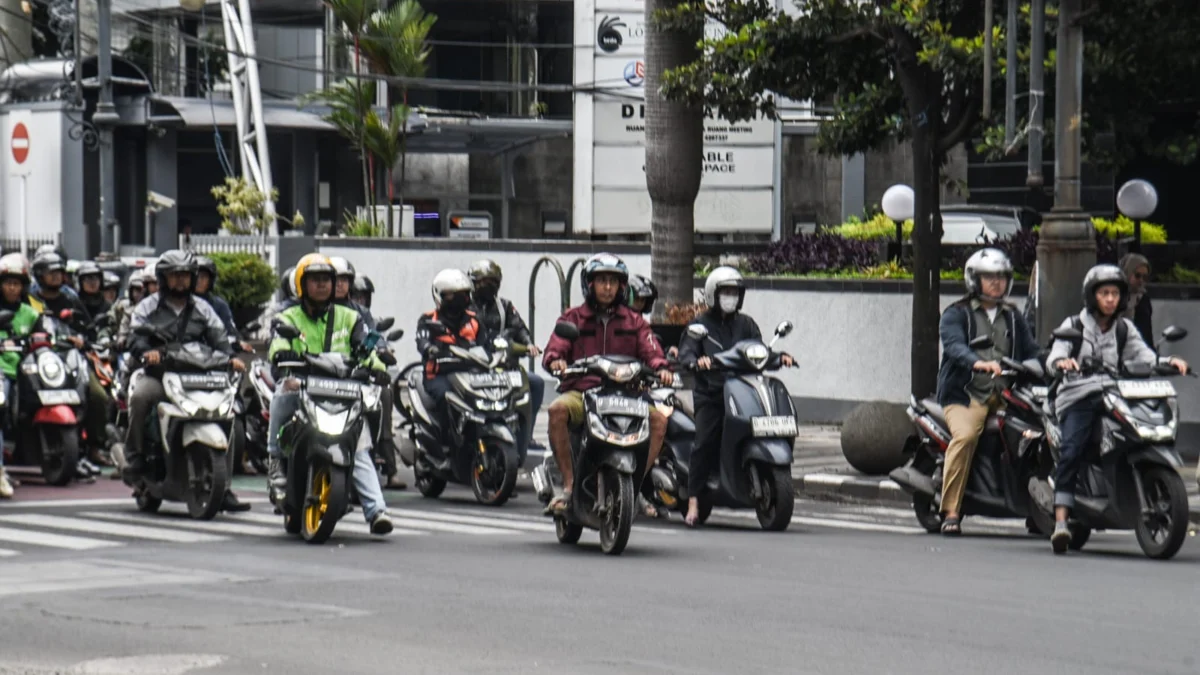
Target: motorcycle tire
(1167,495)
(778,501)
(59,468)
(147,503)
(566,531)
(621,504)
(499,464)
(208,479)
(326,498)
(429,486)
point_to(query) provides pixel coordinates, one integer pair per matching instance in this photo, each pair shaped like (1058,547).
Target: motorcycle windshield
(196,357)
(331,364)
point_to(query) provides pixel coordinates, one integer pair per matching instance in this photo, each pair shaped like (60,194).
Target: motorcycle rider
(363,291)
(112,288)
(606,326)
(724,293)
(642,294)
(343,286)
(122,308)
(313,316)
(452,299)
(206,279)
(969,385)
(89,279)
(14,289)
(190,319)
(1079,403)
(500,317)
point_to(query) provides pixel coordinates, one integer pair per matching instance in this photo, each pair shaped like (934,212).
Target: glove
(286,355)
(381,378)
(432,352)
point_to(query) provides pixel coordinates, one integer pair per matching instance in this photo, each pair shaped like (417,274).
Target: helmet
(14,265)
(721,278)
(1103,275)
(173,261)
(111,281)
(604,263)
(206,264)
(148,276)
(50,248)
(363,284)
(342,267)
(87,268)
(641,288)
(450,281)
(135,280)
(987,261)
(287,283)
(47,262)
(72,267)
(485,269)
(312,263)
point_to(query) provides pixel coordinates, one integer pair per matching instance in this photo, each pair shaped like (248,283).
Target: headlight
(51,369)
(620,372)
(757,355)
(370,395)
(327,423)
(601,431)
(177,395)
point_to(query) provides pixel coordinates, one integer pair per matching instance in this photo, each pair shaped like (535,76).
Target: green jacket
(347,335)
(22,325)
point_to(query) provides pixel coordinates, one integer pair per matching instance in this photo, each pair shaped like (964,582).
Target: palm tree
(674,143)
(350,103)
(385,140)
(354,15)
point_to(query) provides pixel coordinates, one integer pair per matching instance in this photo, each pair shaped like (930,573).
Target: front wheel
(208,479)
(428,485)
(495,473)
(566,531)
(1163,525)
(326,498)
(60,453)
(146,502)
(620,501)
(778,500)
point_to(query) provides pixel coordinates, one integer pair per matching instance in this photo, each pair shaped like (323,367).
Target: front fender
(1156,454)
(622,461)
(499,432)
(771,451)
(334,454)
(56,415)
(208,434)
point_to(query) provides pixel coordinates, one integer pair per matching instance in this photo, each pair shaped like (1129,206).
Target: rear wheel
(1163,526)
(778,500)
(60,453)
(325,501)
(208,479)
(620,501)
(495,473)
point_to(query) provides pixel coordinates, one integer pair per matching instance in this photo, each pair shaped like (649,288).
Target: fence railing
(203,244)
(13,244)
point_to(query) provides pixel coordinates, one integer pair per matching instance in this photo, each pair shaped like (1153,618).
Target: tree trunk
(674,144)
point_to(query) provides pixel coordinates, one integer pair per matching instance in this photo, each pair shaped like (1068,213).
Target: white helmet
(987,261)
(724,277)
(450,281)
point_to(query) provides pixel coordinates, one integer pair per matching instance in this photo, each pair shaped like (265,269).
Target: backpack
(1122,328)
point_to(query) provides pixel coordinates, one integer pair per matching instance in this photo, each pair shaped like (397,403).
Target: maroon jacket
(625,333)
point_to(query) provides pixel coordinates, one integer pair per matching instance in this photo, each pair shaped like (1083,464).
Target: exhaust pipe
(913,481)
(662,480)
(541,483)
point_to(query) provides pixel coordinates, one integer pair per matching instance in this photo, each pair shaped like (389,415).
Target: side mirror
(1070,334)
(388,358)
(982,342)
(1174,333)
(384,324)
(784,329)
(566,330)
(253,327)
(395,335)
(500,344)
(288,331)
(697,331)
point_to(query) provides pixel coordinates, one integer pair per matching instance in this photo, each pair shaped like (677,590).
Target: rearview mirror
(395,335)
(566,330)
(1174,333)
(784,329)
(697,331)
(982,342)
(388,358)
(1070,334)
(288,331)
(384,324)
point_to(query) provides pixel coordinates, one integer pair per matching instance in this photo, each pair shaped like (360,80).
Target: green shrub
(878,227)
(1122,228)
(362,226)
(245,280)
(1180,275)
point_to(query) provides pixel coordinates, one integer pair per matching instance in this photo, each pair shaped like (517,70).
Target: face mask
(456,303)
(728,303)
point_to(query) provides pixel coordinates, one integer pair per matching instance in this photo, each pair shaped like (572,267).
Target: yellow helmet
(312,263)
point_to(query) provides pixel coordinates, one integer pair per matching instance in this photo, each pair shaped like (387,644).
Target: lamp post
(1137,199)
(897,204)
(106,119)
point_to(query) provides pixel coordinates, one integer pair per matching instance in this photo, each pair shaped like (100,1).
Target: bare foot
(693,514)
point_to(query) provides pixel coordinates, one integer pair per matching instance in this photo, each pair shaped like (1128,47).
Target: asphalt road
(92,587)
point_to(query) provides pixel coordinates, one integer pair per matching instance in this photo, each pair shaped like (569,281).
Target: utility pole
(106,119)
(1067,248)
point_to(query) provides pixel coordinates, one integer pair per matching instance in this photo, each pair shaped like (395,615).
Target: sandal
(558,505)
(952,527)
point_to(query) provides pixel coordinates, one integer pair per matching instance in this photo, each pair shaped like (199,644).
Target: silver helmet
(450,281)
(724,277)
(987,261)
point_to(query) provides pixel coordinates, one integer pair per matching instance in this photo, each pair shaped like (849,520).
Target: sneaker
(381,524)
(276,478)
(1060,541)
(6,488)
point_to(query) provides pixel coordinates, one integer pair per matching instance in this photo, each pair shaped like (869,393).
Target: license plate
(203,381)
(323,386)
(622,405)
(514,378)
(781,426)
(490,380)
(1145,388)
(1039,392)
(59,397)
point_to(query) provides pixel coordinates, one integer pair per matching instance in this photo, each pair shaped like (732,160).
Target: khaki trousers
(966,424)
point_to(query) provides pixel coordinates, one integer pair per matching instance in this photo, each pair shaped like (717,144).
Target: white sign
(42,164)
(628,211)
(619,76)
(621,33)
(624,122)
(754,167)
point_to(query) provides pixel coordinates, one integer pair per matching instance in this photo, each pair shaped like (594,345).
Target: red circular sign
(20,143)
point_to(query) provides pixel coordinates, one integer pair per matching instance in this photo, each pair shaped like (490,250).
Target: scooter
(1007,457)
(480,446)
(1131,480)
(609,452)
(754,469)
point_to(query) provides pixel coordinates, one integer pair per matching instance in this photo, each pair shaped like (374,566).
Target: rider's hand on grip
(703,363)
(286,355)
(557,366)
(153,357)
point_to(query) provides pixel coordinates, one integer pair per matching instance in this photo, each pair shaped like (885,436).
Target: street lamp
(1137,199)
(898,205)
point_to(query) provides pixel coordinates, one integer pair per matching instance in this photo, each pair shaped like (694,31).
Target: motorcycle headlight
(329,423)
(620,372)
(757,355)
(178,395)
(51,369)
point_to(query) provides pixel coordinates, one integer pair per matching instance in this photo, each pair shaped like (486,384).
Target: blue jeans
(1076,424)
(366,479)
(537,391)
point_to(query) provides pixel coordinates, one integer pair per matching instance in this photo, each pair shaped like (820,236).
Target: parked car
(969,224)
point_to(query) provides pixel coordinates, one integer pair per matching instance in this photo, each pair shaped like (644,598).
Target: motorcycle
(481,445)
(1006,457)
(319,442)
(1131,480)
(609,451)
(754,469)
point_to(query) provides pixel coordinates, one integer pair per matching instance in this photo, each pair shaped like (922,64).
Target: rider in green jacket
(14,290)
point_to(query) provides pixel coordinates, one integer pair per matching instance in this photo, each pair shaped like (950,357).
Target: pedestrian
(1140,312)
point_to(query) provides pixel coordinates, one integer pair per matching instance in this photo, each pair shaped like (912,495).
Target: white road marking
(219,526)
(53,540)
(342,526)
(453,517)
(115,529)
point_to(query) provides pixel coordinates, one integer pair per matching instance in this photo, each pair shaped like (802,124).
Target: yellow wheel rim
(314,513)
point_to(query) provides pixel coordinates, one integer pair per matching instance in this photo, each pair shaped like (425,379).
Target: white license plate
(622,405)
(490,380)
(1145,388)
(1039,392)
(59,397)
(781,426)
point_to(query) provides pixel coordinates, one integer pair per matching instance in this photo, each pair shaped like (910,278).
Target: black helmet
(287,284)
(173,261)
(641,288)
(47,262)
(363,284)
(1105,275)
(485,269)
(206,264)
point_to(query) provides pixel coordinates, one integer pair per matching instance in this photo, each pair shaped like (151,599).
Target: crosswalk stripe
(115,529)
(5,553)
(547,527)
(219,526)
(342,526)
(53,540)
(453,517)
(448,527)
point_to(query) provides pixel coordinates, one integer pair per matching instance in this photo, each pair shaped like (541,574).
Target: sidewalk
(819,471)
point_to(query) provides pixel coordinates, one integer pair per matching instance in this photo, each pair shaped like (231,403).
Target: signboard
(623,122)
(20,143)
(750,167)
(623,77)
(752,210)
(469,224)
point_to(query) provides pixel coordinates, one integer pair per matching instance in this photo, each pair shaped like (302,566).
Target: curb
(840,487)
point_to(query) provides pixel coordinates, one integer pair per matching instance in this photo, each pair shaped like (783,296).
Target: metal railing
(564,289)
(203,244)
(13,244)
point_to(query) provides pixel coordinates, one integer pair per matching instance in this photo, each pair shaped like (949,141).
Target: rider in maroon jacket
(606,327)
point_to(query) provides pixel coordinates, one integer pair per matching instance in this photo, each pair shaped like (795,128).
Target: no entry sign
(20,143)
